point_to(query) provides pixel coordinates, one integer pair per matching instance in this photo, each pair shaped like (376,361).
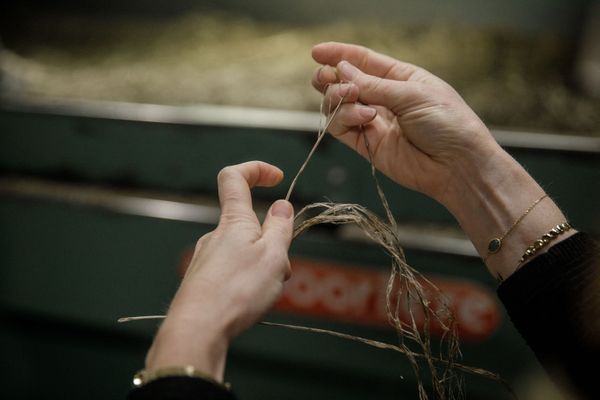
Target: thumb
(278,226)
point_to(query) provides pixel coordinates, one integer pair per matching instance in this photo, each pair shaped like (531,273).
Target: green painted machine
(100,202)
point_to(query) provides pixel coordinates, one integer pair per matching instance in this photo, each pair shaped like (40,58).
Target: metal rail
(198,210)
(128,203)
(245,117)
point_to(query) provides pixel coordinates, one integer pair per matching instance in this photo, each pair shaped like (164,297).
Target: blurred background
(115,118)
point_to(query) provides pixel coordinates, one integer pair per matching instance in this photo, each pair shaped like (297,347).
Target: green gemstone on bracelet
(494,245)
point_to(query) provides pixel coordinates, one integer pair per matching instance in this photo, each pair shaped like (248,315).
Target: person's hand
(421,132)
(241,264)
(235,276)
(424,136)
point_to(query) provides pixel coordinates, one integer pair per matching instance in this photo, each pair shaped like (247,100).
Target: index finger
(235,182)
(369,61)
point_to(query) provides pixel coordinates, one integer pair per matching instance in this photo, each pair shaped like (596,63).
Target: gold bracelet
(144,377)
(495,244)
(544,240)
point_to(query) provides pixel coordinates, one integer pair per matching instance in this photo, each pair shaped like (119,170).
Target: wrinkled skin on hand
(421,132)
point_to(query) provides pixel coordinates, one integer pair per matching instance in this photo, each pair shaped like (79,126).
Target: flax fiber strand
(370,342)
(406,291)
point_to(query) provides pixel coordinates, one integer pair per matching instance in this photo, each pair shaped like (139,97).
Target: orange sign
(357,295)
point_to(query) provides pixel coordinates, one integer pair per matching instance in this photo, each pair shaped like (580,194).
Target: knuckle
(285,229)
(395,69)
(279,263)
(231,219)
(231,196)
(204,240)
(280,258)
(200,242)
(376,84)
(226,173)
(364,52)
(236,220)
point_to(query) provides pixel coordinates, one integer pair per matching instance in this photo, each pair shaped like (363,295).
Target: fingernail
(319,74)
(282,208)
(347,70)
(367,112)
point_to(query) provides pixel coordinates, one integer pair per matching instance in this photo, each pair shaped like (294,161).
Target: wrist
(475,160)
(486,179)
(498,197)
(176,346)
(190,336)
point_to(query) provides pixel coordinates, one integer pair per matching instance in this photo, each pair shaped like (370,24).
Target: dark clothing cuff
(548,301)
(180,388)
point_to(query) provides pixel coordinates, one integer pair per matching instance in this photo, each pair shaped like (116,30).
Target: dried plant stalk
(404,282)
(386,346)
(370,342)
(406,291)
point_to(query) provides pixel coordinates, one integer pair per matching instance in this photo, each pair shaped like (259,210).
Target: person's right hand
(421,132)
(424,136)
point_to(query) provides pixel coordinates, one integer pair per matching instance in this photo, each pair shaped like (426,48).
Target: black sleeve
(180,388)
(554,302)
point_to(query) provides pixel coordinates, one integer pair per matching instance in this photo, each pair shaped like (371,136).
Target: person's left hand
(235,276)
